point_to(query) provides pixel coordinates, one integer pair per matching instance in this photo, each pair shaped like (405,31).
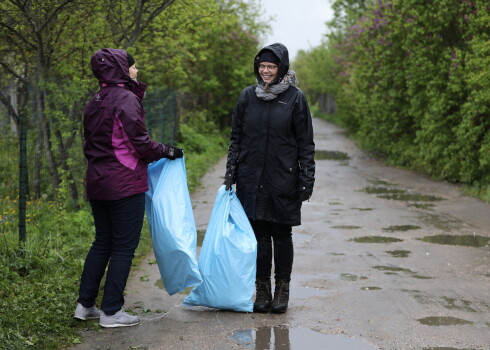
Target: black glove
(174,153)
(304,193)
(228,182)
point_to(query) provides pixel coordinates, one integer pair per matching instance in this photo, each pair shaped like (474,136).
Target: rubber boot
(281,297)
(263,296)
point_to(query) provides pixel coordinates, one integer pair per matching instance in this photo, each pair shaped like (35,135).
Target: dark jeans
(270,234)
(118,226)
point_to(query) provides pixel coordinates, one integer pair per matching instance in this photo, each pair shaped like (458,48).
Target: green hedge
(414,86)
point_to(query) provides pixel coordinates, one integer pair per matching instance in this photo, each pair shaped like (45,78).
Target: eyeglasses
(269,67)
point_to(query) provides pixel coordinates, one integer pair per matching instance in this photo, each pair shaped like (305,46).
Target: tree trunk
(37,166)
(64,165)
(46,137)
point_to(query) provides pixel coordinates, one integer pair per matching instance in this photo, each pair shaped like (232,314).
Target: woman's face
(268,71)
(133,71)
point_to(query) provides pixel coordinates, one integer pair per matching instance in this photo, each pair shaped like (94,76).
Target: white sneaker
(119,319)
(86,313)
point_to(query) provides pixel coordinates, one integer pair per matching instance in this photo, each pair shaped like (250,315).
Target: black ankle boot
(281,297)
(263,296)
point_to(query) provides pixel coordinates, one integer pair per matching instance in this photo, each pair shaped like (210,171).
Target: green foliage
(412,83)
(205,49)
(203,146)
(40,279)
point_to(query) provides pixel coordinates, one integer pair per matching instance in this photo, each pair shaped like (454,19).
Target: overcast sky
(298,24)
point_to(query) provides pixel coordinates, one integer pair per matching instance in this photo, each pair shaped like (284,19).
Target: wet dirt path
(367,272)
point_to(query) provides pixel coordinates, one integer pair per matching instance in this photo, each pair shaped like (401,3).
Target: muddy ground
(385,259)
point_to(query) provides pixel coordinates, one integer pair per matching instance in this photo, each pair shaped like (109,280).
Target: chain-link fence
(160,108)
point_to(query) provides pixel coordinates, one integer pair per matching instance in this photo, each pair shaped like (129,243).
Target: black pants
(118,226)
(270,234)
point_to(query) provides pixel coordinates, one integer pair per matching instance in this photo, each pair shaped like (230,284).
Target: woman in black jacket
(271,160)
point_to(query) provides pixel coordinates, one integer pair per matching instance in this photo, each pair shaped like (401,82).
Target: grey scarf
(269,92)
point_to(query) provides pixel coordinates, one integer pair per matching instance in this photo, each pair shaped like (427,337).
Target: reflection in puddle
(426,206)
(330,155)
(443,321)
(391,268)
(200,237)
(398,253)
(420,277)
(306,292)
(159,284)
(370,288)
(458,304)
(465,240)
(344,277)
(347,227)
(375,239)
(362,209)
(382,190)
(381,182)
(415,197)
(283,338)
(402,228)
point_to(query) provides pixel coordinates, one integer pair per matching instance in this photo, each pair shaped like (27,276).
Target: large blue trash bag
(172,226)
(228,258)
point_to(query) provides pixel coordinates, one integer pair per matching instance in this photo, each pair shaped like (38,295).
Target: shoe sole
(115,325)
(276,311)
(86,318)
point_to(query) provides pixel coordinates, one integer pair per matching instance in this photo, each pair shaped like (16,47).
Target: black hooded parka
(271,152)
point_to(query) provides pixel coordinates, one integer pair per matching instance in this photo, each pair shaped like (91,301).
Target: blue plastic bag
(228,258)
(172,226)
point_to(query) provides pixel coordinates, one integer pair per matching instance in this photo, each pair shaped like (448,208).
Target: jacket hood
(282,54)
(111,66)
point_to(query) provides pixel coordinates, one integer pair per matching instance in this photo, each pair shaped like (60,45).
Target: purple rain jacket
(116,141)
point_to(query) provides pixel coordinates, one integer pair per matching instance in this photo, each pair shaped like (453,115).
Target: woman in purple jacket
(118,149)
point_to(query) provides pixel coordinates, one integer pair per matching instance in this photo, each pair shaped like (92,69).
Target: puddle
(425,206)
(398,253)
(391,268)
(347,227)
(284,338)
(200,237)
(370,288)
(306,292)
(375,239)
(345,277)
(381,182)
(464,240)
(443,222)
(415,197)
(456,304)
(334,203)
(385,190)
(445,348)
(443,321)
(362,209)
(330,155)
(334,253)
(159,285)
(382,190)
(351,277)
(402,228)
(420,277)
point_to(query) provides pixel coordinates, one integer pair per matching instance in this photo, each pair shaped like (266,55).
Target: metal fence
(161,116)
